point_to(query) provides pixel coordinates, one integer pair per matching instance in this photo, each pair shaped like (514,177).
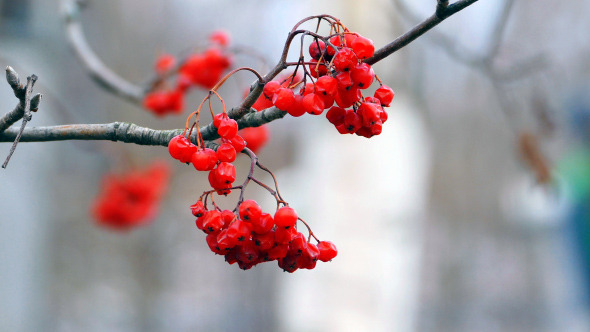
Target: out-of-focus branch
(442,13)
(99,72)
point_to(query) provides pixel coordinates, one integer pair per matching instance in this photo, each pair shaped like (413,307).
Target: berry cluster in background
(131,199)
(201,69)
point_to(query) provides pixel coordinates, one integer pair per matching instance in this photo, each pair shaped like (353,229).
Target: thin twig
(26,116)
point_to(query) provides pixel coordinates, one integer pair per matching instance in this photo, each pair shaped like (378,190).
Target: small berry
(204,160)
(285,217)
(385,94)
(226,152)
(327,251)
(283,98)
(363,47)
(250,211)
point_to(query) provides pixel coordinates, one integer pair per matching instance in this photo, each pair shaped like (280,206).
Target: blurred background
(447,221)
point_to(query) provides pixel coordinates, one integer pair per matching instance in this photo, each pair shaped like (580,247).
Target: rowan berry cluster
(252,236)
(335,74)
(245,235)
(131,199)
(202,69)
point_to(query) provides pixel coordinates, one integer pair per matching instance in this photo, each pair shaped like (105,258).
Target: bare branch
(26,115)
(20,92)
(128,132)
(99,72)
(419,30)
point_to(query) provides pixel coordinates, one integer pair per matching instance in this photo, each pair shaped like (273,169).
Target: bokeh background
(440,221)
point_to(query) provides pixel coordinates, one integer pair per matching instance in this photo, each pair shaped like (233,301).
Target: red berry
(335,40)
(336,115)
(313,104)
(165,63)
(298,244)
(204,160)
(285,235)
(296,109)
(346,98)
(277,252)
(239,231)
(264,241)
(283,98)
(225,173)
(181,148)
(220,37)
(369,113)
(363,47)
(224,241)
(317,69)
(227,216)
(212,222)
(212,243)
(344,81)
(228,128)
(270,89)
(345,59)
(238,143)
(198,209)
(326,85)
(352,123)
(385,95)
(285,217)
(363,75)
(226,152)
(316,48)
(327,251)
(250,211)
(218,118)
(264,224)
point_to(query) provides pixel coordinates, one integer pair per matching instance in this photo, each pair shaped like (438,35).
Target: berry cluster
(246,235)
(199,69)
(222,172)
(336,74)
(131,199)
(252,236)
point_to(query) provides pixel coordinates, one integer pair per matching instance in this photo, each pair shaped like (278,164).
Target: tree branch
(128,132)
(442,13)
(98,71)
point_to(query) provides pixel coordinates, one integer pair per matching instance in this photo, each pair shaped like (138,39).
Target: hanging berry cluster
(202,69)
(131,199)
(335,74)
(245,235)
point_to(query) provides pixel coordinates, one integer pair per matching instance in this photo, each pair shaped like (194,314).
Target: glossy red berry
(345,59)
(264,224)
(270,89)
(316,48)
(363,47)
(336,115)
(313,104)
(204,160)
(228,128)
(198,209)
(283,98)
(298,244)
(238,142)
(212,222)
(285,217)
(212,243)
(285,235)
(385,95)
(181,148)
(317,69)
(226,152)
(369,113)
(239,231)
(264,241)
(327,251)
(363,75)
(296,109)
(335,40)
(250,211)
(326,85)
(225,173)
